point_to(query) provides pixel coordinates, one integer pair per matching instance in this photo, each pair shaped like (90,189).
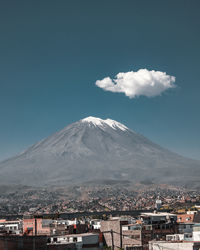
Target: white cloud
(142,82)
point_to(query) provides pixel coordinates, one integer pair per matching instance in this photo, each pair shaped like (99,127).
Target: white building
(158,204)
(167,245)
(96,224)
(85,240)
(196,232)
(179,237)
(14,226)
(150,218)
(72,222)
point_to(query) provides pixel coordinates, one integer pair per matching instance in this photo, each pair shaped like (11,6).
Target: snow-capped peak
(101,123)
(94,120)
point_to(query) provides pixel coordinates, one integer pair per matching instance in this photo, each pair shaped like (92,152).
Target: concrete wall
(23,242)
(196,236)
(115,226)
(172,245)
(61,246)
(131,238)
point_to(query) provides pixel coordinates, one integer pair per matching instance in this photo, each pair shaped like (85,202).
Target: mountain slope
(96,149)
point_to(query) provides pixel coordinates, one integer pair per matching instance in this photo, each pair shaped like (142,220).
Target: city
(27,200)
(150,230)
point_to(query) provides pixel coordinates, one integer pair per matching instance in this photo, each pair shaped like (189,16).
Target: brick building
(37,226)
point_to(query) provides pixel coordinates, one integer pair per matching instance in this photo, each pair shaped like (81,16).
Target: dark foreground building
(31,243)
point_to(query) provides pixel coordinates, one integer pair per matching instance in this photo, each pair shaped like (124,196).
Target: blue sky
(53,52)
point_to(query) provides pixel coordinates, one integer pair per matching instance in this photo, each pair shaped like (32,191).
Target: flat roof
(10,221)
(75,235)
(158,214)
(131,225)
(187,223)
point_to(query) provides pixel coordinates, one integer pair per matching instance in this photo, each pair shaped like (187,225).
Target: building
(185,218)
(77,229)
(82,241)
(95,224)
(156,226)
(158,204)
(155,218)
(196,232)
(167,245)
(16,242)
(131,236)
(179,237)
(14,227)
(87,241)
(121,234)
(112,231)
(37,226)
(185,228)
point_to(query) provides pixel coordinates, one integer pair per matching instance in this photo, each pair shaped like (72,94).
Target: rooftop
(157,214)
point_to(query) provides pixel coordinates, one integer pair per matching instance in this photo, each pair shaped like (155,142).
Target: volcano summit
(93,149)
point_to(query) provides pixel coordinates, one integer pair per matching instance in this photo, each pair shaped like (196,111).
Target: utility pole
(35,226)
(111,232)
(121,236)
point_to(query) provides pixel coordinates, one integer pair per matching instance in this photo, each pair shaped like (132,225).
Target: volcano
(98,150)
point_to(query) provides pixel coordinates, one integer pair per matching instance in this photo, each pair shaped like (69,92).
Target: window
(135,237)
